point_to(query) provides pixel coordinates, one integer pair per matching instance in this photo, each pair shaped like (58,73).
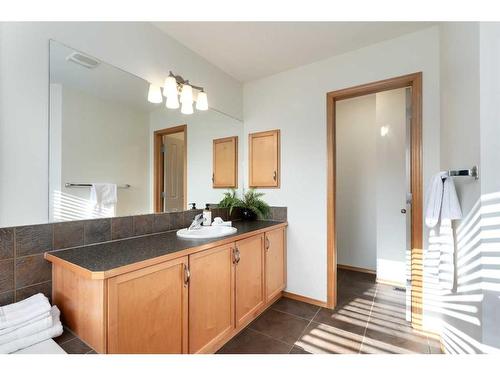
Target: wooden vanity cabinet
(225,163)
(191,304)
(264,159)
(275,259)
(148,310)
(250,296)
(211,298)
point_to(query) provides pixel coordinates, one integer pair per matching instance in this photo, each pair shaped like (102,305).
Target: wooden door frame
(158,165)
(416,184)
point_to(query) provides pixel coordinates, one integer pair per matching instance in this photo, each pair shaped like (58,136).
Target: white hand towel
(31,328)
(103,199)
(55,330)
(450,207)
(103,194)
(446,267)
(434,200)
(18,313)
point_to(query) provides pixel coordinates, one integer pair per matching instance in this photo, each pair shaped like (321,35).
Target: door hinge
(163,194)
(163,149)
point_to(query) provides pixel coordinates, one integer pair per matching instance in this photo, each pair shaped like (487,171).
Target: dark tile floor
(369,318)
(71,344)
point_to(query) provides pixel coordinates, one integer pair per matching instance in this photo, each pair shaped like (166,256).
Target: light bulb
(187,108)
(187,94)
(170,87)
(154,94)
(202,101)
(172,102)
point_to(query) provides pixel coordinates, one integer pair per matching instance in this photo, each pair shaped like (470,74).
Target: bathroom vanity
(164,294)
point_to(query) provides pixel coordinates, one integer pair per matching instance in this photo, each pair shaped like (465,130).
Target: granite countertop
(111,255)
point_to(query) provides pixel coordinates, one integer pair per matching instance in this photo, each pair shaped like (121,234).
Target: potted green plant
(251,205)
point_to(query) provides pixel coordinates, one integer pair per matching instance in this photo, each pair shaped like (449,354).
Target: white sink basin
(206,232)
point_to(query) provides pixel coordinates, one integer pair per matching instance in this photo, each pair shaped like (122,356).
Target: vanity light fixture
(202,101)
(154,94)
(175,89)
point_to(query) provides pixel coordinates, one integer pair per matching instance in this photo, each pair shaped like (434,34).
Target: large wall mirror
(103,131)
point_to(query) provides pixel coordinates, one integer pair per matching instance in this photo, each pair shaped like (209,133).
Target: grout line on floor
(305,329)
(288,313)
(269,336)
(369,318)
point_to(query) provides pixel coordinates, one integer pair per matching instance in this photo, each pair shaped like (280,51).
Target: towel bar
(71,185)
(473,172)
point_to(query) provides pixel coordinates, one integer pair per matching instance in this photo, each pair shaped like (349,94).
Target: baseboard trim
(391,283)
(356,269)
(298,297)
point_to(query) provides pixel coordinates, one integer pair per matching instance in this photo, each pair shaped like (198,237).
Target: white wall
(356,134)
(490,185)
(295,102)
(103,141)
(467,316)
(202,128)
(138,48)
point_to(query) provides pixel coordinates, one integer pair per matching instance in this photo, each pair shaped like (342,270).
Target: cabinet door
(211,298)
(264,159)
(249,278)
(225,159)
(148,310)
(275,262)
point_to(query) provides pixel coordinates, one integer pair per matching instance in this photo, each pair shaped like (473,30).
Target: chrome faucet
(196,224)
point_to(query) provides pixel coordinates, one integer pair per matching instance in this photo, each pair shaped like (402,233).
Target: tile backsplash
(24,271)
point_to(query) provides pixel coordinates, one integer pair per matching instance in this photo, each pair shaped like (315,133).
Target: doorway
(170,169)
(414,184)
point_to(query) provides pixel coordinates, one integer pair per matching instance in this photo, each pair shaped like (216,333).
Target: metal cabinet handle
(267,243)
(275,175)
(236,256)
(187,275)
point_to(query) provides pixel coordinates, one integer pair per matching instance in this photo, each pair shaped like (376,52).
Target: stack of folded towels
(28,322)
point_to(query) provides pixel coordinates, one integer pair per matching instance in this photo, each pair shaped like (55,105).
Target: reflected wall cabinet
(264,159)
(225,163)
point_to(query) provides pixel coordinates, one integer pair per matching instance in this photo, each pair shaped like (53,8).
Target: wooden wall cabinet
(225,163)
(264,159)
(191,304)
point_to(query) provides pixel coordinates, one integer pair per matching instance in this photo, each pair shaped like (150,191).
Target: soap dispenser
(207,216)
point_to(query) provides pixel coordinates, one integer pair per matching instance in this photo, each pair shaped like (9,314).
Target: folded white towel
(45,347)
(24,311)
(53,331)
(10,329)
(31,327)
(220,222)
(434,200)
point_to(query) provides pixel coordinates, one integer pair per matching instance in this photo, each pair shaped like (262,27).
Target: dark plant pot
(248,214)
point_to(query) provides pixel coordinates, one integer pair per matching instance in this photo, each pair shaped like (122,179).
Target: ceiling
(252,50)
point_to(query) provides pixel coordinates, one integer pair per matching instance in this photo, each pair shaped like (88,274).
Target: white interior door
(173,149)
(392,186)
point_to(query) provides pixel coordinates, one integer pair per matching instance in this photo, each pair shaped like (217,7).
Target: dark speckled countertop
(111,255)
